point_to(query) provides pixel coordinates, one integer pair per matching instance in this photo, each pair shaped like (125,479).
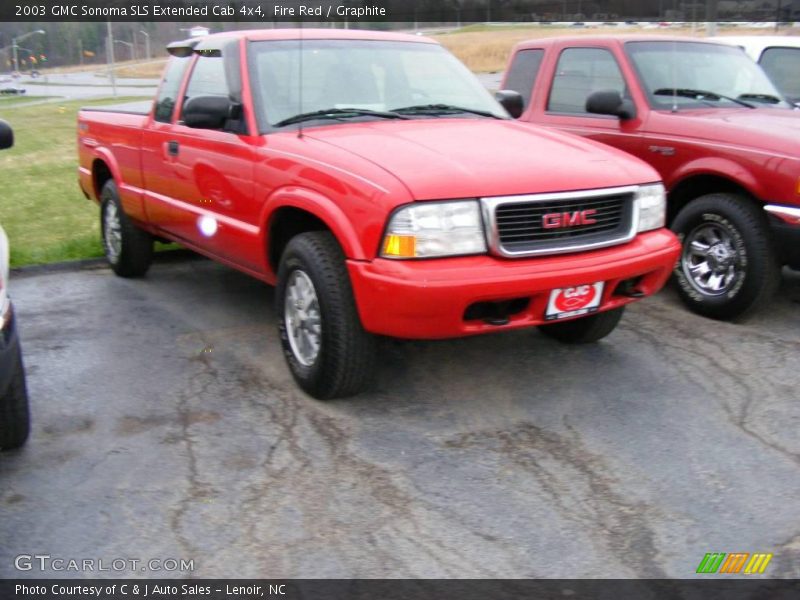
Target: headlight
(429,229)
(652,201)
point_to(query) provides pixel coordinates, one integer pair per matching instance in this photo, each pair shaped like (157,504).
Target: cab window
(170,86)
(523,72)
(579,72)
(783,66)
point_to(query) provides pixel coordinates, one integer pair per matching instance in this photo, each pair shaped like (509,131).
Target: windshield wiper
(699,95)
(442,109)
(338,114)
(762,98)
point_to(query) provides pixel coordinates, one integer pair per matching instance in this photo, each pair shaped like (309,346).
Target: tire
(585,330)
(128,249)
(14,411)
(728,266)
(341,362)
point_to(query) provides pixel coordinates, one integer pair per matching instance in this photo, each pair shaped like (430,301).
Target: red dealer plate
(574,301)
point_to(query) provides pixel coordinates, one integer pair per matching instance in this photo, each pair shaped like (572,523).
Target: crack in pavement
(556,462)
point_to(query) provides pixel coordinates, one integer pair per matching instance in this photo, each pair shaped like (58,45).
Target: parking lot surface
(166,425)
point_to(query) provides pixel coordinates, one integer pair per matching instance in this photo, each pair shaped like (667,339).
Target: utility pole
(110,57)
(146,43)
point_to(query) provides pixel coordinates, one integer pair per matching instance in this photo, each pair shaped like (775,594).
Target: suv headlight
(652,201)
(430,229)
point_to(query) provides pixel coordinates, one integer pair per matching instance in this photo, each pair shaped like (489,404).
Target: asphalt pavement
(166,426)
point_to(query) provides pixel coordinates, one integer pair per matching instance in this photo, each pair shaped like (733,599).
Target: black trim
(787,241)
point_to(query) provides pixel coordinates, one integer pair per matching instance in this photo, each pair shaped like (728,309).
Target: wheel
(14,412)
(586,329)
(728,266)
(128,249)
(329,353)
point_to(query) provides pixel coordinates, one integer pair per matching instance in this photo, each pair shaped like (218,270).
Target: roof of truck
(584,39)
(318,34)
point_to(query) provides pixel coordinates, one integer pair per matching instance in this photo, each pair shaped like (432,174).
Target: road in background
(166,424)
(75,86)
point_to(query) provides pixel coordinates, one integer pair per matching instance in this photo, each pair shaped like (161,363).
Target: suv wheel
(328,352)
(14,412)
(728,266)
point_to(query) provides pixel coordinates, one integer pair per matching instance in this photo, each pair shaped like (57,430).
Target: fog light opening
(628,288)
(496,313)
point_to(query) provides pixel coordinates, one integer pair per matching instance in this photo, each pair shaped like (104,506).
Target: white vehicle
(778,55)
(14,415)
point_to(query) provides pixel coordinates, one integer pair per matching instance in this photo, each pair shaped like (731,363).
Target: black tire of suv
(345,360)
(14,412)
(135,254)
(585,330)
(745,223)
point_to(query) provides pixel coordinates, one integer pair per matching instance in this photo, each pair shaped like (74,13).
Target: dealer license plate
(574,301)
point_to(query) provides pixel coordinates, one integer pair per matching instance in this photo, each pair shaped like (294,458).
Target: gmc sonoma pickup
(722,137)
(379,186)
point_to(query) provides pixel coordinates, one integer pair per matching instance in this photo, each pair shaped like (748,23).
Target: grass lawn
(12,101)
(43,211)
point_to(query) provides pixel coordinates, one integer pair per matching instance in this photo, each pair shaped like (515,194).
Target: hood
(770,129)
(466,158)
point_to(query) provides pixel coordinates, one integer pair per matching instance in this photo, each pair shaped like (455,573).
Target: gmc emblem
(569,219)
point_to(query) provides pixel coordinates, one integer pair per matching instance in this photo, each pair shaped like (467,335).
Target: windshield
(373,76)
(697,74)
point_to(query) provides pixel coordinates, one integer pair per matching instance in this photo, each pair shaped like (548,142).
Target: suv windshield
(372,78)
(696,74)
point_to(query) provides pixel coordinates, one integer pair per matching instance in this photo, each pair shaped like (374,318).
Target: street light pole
(110,57)
(131,46)
(15,45)
(146,43)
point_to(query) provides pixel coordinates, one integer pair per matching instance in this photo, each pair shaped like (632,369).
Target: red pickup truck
(722,137)
(381,188)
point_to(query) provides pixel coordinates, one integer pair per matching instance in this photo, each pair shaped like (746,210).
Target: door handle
(173,148)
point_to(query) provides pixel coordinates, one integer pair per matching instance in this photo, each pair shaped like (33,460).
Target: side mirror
(6,135)
(210,112)
(512,101)
(610,102)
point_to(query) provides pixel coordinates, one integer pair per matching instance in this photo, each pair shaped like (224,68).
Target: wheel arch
(291,212)
(104,167)
(695,185)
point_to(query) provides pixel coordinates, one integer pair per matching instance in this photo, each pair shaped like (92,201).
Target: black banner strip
(399,11)
(719,587)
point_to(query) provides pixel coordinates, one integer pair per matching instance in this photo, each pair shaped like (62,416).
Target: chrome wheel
(302,318)
(710,260)
(112,232)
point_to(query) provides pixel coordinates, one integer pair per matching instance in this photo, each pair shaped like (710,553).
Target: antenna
(674,82)
(300,82)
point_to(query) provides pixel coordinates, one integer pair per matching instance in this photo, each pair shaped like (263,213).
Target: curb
(93,264)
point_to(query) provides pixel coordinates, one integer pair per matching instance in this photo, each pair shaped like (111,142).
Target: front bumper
(428,299)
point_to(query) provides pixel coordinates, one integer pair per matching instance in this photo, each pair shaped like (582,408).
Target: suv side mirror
(610,102)
(511,101)
(210,112)
(6,135)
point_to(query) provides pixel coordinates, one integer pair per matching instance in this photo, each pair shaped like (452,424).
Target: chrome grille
(518,222)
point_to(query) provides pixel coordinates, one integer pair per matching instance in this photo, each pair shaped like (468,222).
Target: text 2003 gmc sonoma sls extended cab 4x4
(381,188)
